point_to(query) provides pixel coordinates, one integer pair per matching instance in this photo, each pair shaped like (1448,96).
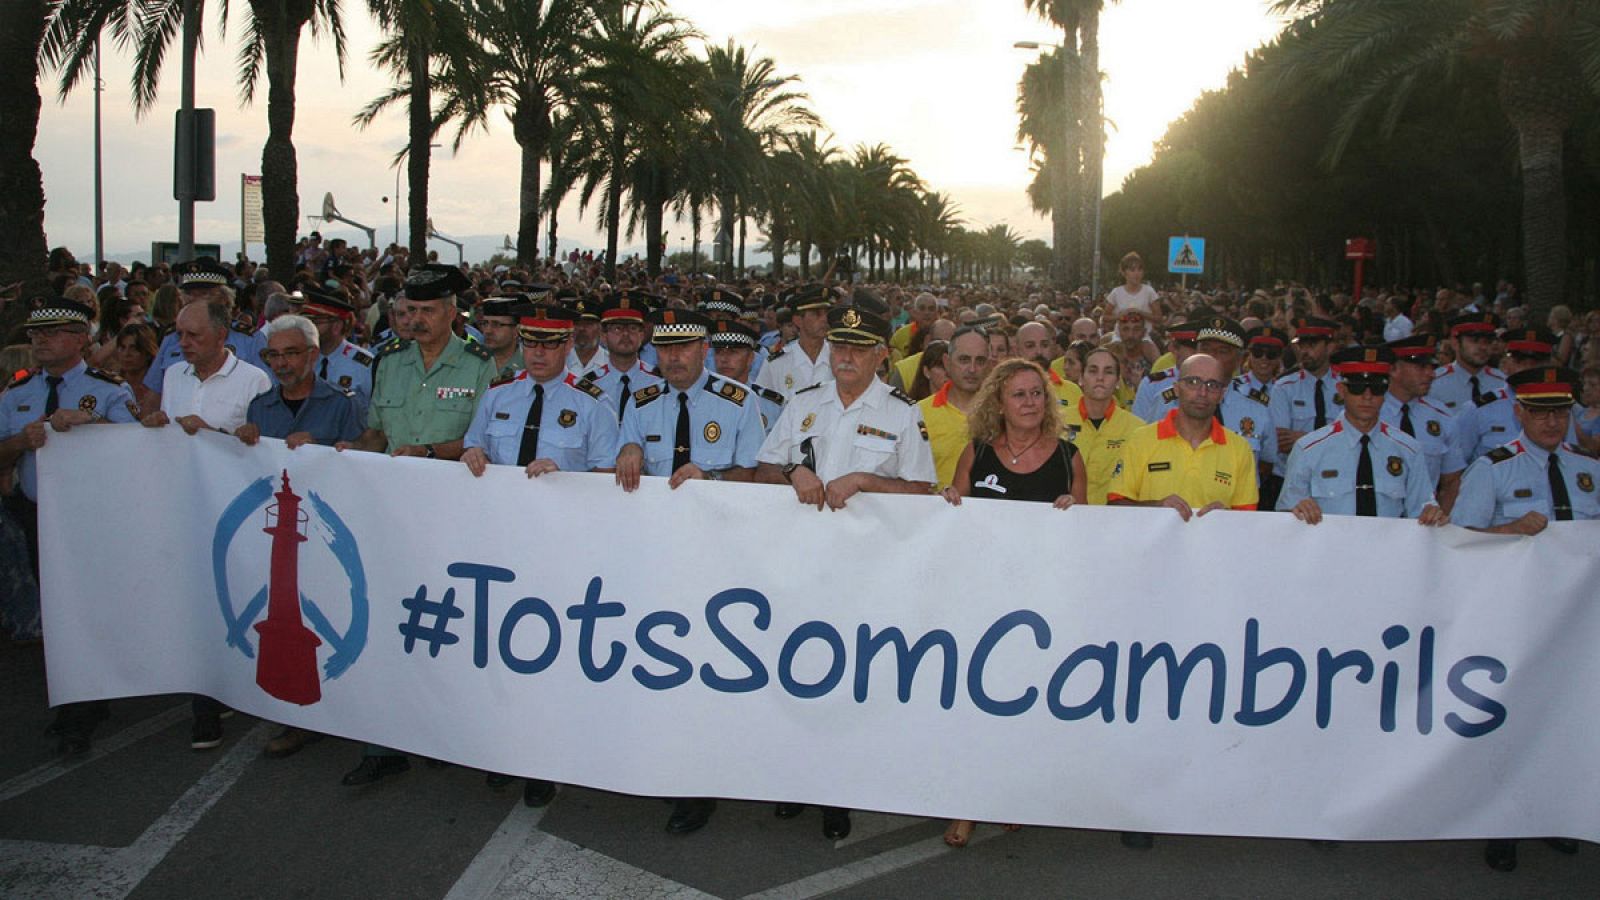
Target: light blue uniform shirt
(1293,401)
(349,368)
(1452,386)
(1157,394)
(1436,433)
(1323,466)
(330,414)
(724,424)
(577,431)
(609,379)
(81,387)
(1514,480)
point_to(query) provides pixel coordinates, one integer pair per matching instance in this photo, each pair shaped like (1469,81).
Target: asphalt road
(144,816)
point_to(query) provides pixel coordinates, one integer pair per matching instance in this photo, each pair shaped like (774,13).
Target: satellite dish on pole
(330,212)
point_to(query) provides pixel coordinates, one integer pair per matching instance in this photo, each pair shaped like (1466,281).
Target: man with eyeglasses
(497,322)
(304,409)
(1188,461)
(1492,420)
(341,363)
(624,373)
(1359,465)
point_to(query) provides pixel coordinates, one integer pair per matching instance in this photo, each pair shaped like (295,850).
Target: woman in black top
(1016,454)
(1016,451)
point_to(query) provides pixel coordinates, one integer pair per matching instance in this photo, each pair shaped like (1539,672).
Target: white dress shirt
(221,400)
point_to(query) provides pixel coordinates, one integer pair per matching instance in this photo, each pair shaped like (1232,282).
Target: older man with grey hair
(303,409)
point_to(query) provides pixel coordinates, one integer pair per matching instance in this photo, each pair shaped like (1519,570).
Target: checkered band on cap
(57,311)
(730,334)
(1220,329)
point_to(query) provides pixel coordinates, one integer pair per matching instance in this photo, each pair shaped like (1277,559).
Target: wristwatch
(788,472)
(431,453)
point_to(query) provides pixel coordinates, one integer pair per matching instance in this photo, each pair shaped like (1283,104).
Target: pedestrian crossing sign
(1186,255)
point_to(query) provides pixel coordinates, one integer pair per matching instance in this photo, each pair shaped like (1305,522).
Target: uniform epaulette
(390,346)
(245,326)
(506,380)
(480,351)
(1169,395)
(775,353)
(652,371)
(768,393)
(811,388)
(1486,398)
(596,374)
(727,390)
(902,396)
(1261,396)
(587,386)
(362,357)
(1500,454)
(103,375)
(1163,375)
(1290,376)
(645,395)
(22,378)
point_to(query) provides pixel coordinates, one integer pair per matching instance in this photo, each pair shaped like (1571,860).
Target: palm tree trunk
(778,240)
(1092,134)
(528,207)
(614,199)
(694,228)
(280,197)
(725,227)
(22,242)
(805,257)
(741,241)
(654,215)
(420,133)
(1538,97)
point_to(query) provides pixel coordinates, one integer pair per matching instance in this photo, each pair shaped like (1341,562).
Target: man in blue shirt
(303,408)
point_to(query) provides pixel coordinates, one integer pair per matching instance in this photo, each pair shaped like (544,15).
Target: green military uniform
(412,405)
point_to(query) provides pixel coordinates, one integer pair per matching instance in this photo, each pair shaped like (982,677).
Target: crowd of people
(1443,406)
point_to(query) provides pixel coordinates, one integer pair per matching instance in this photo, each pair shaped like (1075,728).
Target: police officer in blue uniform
(1358,465)
(1158,390)
(1265,345)
(1458,386)
(623,322)
(303,408)
(1306,399)
(1408,409)
(204,280)
(544,419)
(65,392)
(342,364)
(1491,420)
(734,345)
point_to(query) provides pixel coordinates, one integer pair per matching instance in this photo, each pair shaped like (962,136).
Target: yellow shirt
(1100,447)
(1164,362)
(947,432)
(908,369)
(1066,391)
(1059,368)
(1157,461)
(900,342)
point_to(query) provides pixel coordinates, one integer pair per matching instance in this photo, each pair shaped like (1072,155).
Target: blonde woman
(1016,451)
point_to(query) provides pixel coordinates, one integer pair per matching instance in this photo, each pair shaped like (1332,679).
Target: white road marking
(518,833)
(852,874)
(50,771)
(45,871)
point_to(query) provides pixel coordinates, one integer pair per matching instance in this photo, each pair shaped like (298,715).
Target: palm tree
(1066,134)
(1000,245)
(749,107)
(530,54)
(22,243)
(271,37)
(884,201)
(422,34)
(1547,59)
(937,219)
(815,207)
(634,80)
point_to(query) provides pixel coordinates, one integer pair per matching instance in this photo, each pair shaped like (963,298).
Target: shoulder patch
(480,351)
(362,357)
(805,389)
(902,396)
(1169,395)
(1500,454)
(645,395)
(103,375)
(392,345)
(768,393)
(1162,375)
(776,353)
(23,378)
(727,390)
(506,380)
(587,386)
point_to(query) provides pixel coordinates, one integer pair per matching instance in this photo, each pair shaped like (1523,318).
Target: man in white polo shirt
(212,389)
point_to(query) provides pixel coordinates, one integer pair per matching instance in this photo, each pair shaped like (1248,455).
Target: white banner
(1353,680)
(251,228)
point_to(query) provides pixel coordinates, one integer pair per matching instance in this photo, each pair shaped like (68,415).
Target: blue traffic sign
(1186,255)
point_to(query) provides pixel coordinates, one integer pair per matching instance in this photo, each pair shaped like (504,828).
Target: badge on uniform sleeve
(805,424)
(87,403)
(1247,427)
(1433,427)
(344,381)
(1396,467)
(1586,482)
(923,427)
(788,381)
(568,418)
(713,432)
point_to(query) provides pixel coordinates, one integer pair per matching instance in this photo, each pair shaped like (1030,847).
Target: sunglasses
(1358,386)
(1265,352)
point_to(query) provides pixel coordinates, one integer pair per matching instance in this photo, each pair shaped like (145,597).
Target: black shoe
(497,779)
(1562,845)
(690,815)
(74,742)
(788,810)
(1501,855)
(206,733)
(1138,840)
(538,792)
(375,768)
(835,823)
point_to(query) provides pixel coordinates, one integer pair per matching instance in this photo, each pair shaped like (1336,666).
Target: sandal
(958,833)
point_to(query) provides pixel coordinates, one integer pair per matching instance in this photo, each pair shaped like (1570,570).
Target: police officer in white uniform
(804,362)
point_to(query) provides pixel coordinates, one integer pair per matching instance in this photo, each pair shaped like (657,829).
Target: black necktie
(622,403)
(1476,393)
(1405,419)
(1321,405)
(52,400)
(529,451)
(324,374)
(1366,490)
(680,441)
(1559,498)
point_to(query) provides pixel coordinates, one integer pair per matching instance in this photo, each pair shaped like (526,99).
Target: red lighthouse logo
(287,665)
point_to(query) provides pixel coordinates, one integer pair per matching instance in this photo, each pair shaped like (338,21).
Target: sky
(935,80)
